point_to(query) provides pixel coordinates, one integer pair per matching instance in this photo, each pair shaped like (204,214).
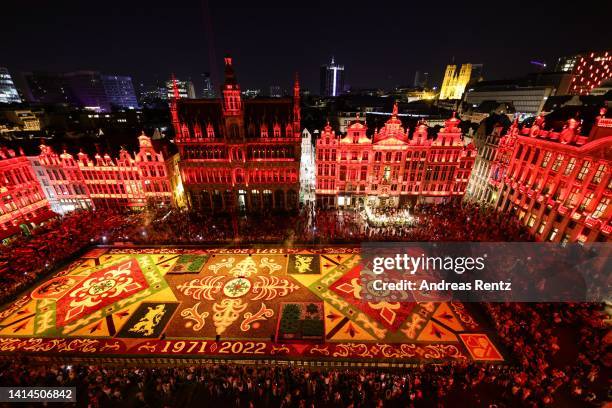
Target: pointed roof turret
(230,75)
(175,91)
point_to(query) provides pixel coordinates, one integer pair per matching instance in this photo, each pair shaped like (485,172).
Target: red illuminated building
(239,154)
(558,183)
(590,71)
(22,202)
(104,182)
(391,168)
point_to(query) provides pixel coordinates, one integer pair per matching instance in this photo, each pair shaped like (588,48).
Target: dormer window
(210,131)
(277,132)
(264,131)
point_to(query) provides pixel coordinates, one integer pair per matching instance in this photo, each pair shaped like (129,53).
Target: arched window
(210,131)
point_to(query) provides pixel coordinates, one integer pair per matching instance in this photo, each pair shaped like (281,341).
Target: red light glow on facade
(23,204)
(391,169)
(239,154)
(558,184)
(590,71)
(103,182)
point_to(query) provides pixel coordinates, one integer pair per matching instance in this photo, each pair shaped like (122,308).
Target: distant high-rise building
(332,79)
(46,88)
(421,79)
(83,89)
(8,91)
(589,71)
(209,91)
(186,89)
(87,90)
(454,82)
(275,91)
(567,63)
(119,91)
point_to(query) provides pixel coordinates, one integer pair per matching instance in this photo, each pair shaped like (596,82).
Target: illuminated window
(587,200)
(541,227)
(601,207)
(601,169)
(570,166)
(531,221)
(387,174)
(572,198)
(557,162)
(583,170)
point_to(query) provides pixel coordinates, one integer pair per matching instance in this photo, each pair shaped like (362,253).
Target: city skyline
(373,57)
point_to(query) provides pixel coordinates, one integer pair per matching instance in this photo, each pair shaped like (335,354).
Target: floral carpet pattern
(304,303)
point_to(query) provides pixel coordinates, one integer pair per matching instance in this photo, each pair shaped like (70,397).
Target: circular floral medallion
(99,287)
(236,287)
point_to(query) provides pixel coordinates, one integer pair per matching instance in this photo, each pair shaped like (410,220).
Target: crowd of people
(558,352)
(387,217)
(560,348)
(541,376)
(431,222)
(28,258)
(162,226)
(428,222)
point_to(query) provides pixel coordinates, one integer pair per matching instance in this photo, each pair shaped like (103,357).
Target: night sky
(381,43)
